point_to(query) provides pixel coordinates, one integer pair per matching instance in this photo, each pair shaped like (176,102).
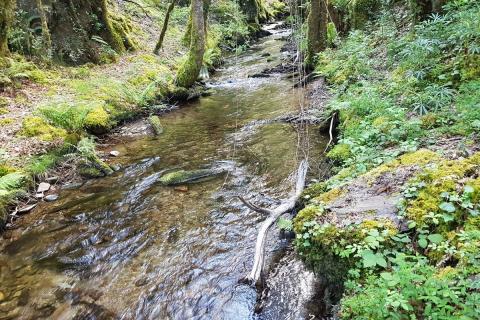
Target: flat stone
(51,197)
(43,187)
(27,209)
(52,179)
(39,195)
(114,153)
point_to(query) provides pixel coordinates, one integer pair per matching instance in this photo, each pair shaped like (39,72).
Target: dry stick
(158,46)
(285,206)
(330,132)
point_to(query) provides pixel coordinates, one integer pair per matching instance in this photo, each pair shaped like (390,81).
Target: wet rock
(184,176)
(51,197)
(43,187)
(39,195)
(24,297)
(141,282)
(266,54)
(181,188)
(114,153)
(115,167)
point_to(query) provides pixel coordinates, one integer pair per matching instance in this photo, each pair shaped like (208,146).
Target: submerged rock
(184,176)
(51,197)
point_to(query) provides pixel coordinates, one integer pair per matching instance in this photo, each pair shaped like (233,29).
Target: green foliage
(13,181)
(413,289)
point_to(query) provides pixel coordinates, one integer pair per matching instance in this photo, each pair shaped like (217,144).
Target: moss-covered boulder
(184,176)
(98,121)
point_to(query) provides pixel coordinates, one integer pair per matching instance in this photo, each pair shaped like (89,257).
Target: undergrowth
(401,89)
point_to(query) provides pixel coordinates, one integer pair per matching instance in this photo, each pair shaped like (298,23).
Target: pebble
(181,188)
(114,153)
(2,296)
(51,197)
(43,187)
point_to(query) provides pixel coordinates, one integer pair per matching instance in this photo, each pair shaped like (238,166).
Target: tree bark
(114,39)
(47,39)
(190,69)
(317,30)
(7,8)
(159,44)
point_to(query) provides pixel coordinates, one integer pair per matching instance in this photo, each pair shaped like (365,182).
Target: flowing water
(127,247)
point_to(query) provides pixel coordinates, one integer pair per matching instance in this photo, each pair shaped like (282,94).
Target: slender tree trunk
(317,30)
(7,8)
(158,46)
(45,31)
(190,69)
(114,39)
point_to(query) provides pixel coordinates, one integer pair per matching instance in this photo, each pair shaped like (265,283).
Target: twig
(254,207)
(330,132)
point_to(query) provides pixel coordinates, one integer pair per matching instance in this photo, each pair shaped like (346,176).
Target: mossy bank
(56,100)
(395,231)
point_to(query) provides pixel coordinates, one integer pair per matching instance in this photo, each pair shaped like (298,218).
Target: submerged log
(286,205)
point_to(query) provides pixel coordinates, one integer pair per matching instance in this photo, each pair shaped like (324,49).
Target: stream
(128,247)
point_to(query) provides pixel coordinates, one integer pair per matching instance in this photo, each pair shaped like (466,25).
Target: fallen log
(258,261)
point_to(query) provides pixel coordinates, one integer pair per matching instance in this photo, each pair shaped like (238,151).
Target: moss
(6,121)
(429,121)
(313,190)
(4,102)
(3,110)
(155,124)
(442,177)
(98,121)
(90,172)
(5,169)
(184,176)
(420,157)
(331,195)
(307,214)
(340,152)
(13,181)
(383,224)
(37,127)
(382,123)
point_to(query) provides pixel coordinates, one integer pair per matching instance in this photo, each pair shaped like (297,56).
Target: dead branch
(254,207)
(330,132)
(275,213)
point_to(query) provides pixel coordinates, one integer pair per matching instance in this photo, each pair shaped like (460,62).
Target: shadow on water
(128,247)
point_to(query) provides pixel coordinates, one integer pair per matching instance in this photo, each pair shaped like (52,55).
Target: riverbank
(51,116)
(395,232)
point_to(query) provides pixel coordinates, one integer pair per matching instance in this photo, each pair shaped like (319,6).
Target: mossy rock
(98,121)
(184,176)
(156,125)
(90,172)
(37,127)
(340,152)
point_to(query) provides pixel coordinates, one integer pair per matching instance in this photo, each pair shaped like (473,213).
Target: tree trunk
(158,46)
(47,39)
(190,69)
(114,39)
(317,30)
(7,8)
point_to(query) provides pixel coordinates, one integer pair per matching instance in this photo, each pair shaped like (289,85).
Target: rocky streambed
(131,246)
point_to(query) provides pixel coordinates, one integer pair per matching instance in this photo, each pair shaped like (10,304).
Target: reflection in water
(127,247)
